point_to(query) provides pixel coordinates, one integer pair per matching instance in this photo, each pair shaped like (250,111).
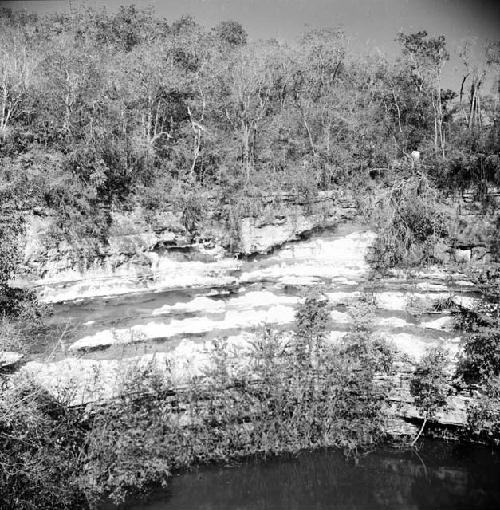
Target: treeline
(103,110)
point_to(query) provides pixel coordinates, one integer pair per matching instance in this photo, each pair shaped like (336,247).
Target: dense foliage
(103,111)
(481,356)
(479,363)
(296,391)
(411,224)
(430,386)
(41,444)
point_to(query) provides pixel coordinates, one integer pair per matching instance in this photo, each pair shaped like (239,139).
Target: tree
(318,69)
(231,32)
(182,25)
(493,61)
(475,73)
(429,385)
(247,100)
(17,71)
(147,79)
(426,58)
(72,78)
(409,112)
(311,321)
(132,26)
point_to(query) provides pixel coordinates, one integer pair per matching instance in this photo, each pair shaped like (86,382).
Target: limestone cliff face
(403,412)
(259,235)
(150,253)
(100,380)
(9,360)
(227,293)
(477,221)
(175,329)
(145,254)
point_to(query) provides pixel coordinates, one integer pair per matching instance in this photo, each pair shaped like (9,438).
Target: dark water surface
(442,476)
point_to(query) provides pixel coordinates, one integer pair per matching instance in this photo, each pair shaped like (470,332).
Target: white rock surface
(79,381)
(168,273)
(391,322)
(265,290)
(234,319)
(9,358)
(198,304)
(441,323)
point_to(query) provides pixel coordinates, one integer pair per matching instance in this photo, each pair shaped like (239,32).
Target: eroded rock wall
(159,253)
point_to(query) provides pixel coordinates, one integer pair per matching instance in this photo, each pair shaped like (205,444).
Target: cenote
(439,476)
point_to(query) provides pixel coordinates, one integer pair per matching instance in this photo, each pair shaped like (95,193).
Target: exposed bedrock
(9,360)
(155,298)
(172,330)
(159,253)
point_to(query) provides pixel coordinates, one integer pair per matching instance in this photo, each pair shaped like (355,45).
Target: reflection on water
(442,476)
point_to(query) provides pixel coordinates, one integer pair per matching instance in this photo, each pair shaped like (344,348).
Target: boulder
(8,359)
(462,255)
(480,254)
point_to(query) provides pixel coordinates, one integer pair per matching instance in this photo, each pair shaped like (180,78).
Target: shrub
(483,416)
(480,359)
(22,321)
(409,220)
(481,356)
(295,391)
(41,443)
(429,384)
(311,322)
(479,363)
(130,446)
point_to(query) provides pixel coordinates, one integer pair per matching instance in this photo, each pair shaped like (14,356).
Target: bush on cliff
(480,360)
(483,416)
(429,385)
(295,391)
(21,315)
(410,222)
(41,450)
(479,363)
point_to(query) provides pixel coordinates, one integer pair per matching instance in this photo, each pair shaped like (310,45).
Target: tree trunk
(245,139)
(414,442)
(4,112)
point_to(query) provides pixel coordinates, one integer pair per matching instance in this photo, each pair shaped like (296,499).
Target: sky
(370,25)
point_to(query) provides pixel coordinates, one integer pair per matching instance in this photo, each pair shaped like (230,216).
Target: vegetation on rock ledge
(116,112)
(297,391)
